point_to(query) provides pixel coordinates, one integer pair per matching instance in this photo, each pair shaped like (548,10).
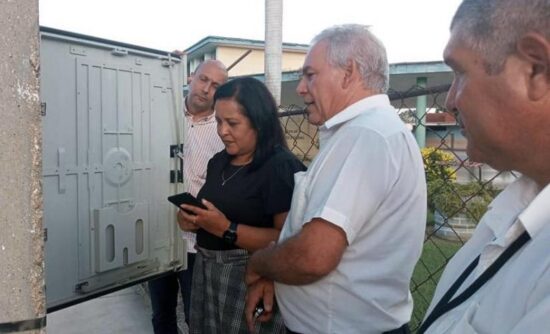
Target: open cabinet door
(110,114)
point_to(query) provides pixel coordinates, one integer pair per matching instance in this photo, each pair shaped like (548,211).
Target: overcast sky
(411,30)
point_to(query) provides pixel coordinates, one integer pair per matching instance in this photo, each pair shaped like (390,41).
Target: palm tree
(273,46)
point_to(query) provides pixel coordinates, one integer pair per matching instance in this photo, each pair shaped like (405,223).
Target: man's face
(203,86)
(488,104)
(320,86)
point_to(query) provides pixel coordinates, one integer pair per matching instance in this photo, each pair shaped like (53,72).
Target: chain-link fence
(459,190)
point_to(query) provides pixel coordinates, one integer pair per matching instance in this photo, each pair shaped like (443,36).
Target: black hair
(259,106)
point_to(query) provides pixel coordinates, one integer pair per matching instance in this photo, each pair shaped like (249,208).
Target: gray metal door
(107,131)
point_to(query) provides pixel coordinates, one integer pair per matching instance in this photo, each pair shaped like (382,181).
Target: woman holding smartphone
(247,194)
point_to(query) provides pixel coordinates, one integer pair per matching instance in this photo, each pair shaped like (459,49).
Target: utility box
(111,118)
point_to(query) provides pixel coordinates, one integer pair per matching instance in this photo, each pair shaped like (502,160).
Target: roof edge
(233,41)
(70,34)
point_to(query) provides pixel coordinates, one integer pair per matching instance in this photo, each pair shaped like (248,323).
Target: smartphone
(185,198)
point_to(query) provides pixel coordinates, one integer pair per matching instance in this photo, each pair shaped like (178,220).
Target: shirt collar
(537,213)
(189,117)
(356,109)
(522,200)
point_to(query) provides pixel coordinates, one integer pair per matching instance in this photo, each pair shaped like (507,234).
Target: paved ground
(124,311)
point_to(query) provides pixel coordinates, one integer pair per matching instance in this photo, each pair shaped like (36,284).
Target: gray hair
(493,27)
(355,42)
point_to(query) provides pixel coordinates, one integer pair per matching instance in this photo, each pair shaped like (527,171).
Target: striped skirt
(218,295)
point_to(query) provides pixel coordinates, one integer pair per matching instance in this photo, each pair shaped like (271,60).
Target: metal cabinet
(110,115)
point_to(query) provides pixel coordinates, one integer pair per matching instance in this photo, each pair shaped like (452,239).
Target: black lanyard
(446,304)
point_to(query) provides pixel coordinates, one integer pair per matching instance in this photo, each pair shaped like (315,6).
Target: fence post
(22,300)
(420,130)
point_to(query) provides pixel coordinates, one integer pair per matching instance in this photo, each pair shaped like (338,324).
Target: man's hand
(251,276)
(261,291)
(179,52)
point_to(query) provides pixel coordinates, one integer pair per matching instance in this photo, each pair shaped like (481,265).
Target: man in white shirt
(201,142)
(500,53)
(355,228)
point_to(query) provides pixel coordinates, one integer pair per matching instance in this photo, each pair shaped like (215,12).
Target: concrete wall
(21,237)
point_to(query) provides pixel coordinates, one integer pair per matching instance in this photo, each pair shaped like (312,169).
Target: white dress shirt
(368,179)
(200,144)
(517,298)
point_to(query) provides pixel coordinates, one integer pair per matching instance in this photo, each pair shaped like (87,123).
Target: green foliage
(470,199)
(446,195)
(439,171)
(438,164)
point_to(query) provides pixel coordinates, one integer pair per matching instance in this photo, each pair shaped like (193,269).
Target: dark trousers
(401,330)
(164,298)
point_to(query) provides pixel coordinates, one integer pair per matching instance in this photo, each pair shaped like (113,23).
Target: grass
(435,255)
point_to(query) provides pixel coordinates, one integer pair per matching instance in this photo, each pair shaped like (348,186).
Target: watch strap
(230,235)
(232,227)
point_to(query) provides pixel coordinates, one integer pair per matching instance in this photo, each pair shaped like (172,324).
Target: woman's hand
(186,221)
(210,219)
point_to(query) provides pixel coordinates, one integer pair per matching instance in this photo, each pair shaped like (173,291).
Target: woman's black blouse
(248,197)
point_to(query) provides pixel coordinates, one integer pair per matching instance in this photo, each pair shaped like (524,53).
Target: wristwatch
(230,235)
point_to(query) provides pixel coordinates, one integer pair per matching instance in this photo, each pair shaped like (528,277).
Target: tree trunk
(273,46)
